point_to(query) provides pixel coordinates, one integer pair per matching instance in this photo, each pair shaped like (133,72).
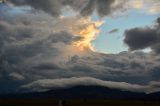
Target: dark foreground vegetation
(53,102)
(81,96)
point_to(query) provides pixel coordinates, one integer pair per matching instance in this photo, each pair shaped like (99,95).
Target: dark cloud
(64,37)
(18,2)
(46,66)
(141,38)
(49,6)
(25,47)
(113,31)
(158,21)
(85,7)
(38,65)
(155,73)
(20,41)
(102,7)
(156,48)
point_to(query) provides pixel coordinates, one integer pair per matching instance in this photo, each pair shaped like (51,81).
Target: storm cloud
(141,38)
(37,49)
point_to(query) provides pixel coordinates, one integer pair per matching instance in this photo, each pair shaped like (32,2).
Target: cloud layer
(37,50)
(47,84)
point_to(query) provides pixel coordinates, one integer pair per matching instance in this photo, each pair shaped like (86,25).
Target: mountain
(87,92)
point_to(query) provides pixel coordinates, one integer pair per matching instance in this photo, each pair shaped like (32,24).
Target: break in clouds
(38,53)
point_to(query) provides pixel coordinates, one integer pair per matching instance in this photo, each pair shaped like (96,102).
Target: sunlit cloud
(149,6)
(88,30)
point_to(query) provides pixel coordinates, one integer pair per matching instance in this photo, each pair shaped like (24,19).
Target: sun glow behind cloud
(88,30)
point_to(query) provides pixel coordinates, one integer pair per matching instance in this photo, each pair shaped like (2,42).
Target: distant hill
(87,92)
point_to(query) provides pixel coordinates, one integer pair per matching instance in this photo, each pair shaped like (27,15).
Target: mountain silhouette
(87,92)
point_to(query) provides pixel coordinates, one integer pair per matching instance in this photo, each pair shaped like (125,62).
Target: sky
(130,20)
(64,43)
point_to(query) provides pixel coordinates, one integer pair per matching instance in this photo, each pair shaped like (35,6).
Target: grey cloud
(64,37)
(30,45)
(156,48)
(125,66)
(16,76)
(158,20)
(49,6)
(18,2)
(30,52)
(19,42)
(102,7)
(113,31)
(89,8)
(54,7)
(46,66)
(119,67)
(141,38)
(24,47)
(47,84)
(155,73)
